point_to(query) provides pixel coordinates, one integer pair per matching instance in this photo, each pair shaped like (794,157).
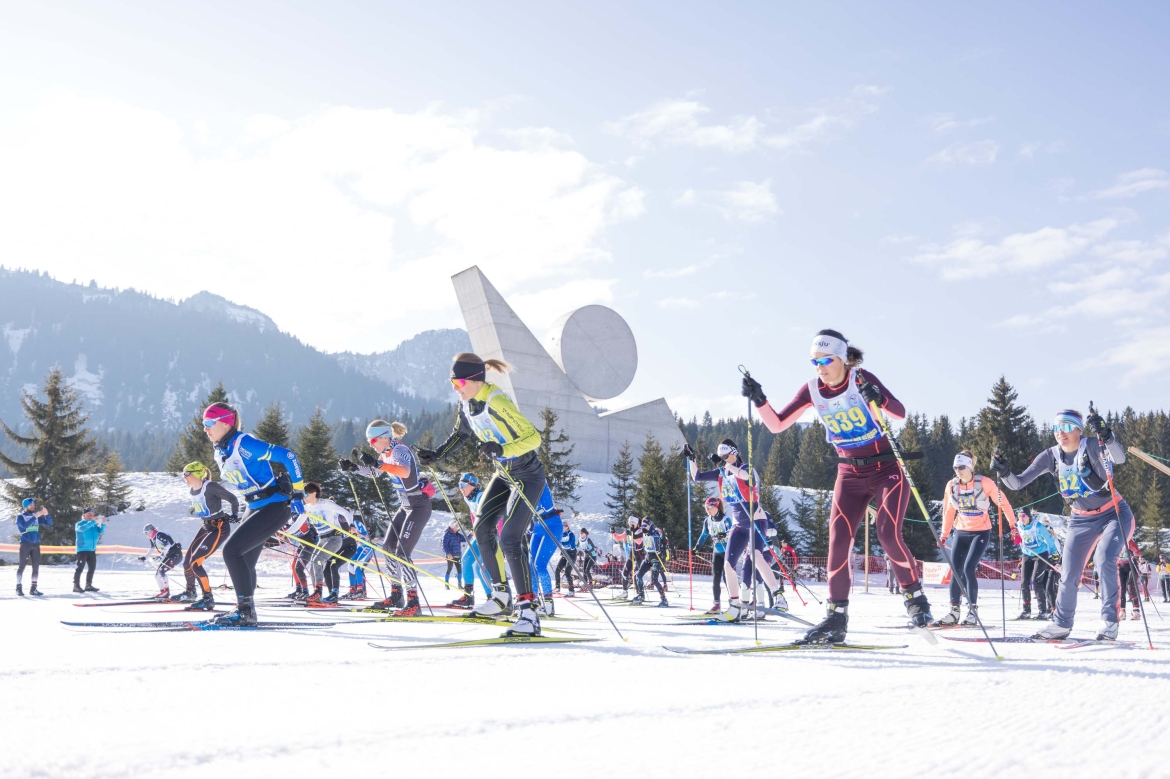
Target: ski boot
(572,593)
(242,616)
(948,619)
(832,628)
(395,601)
(162,596)
(300,593)
(735,611)
(527,621)
(1044,615)
(1027,612)
(625,593)
(1137,613)
(468,599)
(664,603)
(1108,631)
(206,603)
(779,602)
(332,597)
(917,606)
(1051,632)
(315,597)
(91,588)
(19,589)
(34,591)
(359,592)
(715,608)
(77,588)
(188,595)
(548,608)
(499,604)
(972,617)
(412,608)
(638,600)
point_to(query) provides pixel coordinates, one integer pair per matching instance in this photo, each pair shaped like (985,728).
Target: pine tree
(810,515)
(622,488)
(314,448)
(941,449)
(1151,519)
(815,468)
(917,534)
(110,490)
(193,444)
(59,458)
(661,488)
(273,426)
(555,454)
(770,479)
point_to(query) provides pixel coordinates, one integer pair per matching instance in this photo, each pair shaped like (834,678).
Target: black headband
(467,370)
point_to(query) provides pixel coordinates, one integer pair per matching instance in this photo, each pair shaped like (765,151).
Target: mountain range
(143,363)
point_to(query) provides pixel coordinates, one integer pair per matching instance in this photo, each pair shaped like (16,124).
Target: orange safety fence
(102,549)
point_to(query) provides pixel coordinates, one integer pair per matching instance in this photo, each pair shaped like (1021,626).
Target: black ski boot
(300,593)
(34,591)
(638,599)
(77,587)
(917,606)
(19,589)
(332,597)
(91,588)
(468,599)
(395,601)
(242,616)
(206,603)
(412,608)
(189,595)
(833,626)
(1026,613)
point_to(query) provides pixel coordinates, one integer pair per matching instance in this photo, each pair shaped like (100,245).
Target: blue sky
(962,192)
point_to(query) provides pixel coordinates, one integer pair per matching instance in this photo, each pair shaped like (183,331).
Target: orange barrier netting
(107,549)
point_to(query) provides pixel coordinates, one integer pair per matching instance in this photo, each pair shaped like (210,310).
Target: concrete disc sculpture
(596,349)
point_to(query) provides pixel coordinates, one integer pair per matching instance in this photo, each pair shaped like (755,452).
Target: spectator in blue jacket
(89,533)
(568,559)
(1041,566)
(453,541)
(28,524)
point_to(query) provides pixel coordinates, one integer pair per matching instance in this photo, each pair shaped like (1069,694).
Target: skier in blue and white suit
(541,547)
(357,574)
(472,492)
(245,464)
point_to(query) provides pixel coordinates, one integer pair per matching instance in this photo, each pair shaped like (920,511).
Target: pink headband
(220,415)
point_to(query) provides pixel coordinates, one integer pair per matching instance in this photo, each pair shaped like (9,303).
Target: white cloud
(679,123)
(1141,353)
(1134,183)
(538,138)
(676,122)
(746,202)
(870,90)
(314,209)
(977,153)
(672,273)
(942,123)
(1135,252)
(969,257)
(678,303)
(687,198)
(1030,149)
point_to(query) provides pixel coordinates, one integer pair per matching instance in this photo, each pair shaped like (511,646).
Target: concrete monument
(591,355)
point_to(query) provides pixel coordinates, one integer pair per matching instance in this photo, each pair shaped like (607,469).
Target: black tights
(243,549)
(512,537)
(84,559)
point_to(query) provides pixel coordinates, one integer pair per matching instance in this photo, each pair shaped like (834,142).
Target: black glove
(716,459)
(368,460)
(871,392)
(233,519)
(1055,558)
(425,457)
(752,390)
(999,464)
(272,543)
(491,449)
(347,465)
(142,559)
(1095,425)
(687,452)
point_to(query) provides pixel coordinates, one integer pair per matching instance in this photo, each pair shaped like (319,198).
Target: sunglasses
(961,468)
(209,422)
(821,361)
(371,440)
(459,383)
(1064,427)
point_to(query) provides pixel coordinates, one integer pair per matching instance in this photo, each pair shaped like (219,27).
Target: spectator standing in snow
(453,541)
(28,524)
(89,533)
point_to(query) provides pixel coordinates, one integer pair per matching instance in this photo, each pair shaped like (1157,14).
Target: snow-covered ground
(324,702)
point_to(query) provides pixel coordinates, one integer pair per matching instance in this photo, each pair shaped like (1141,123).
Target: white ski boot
(1108,631)
(498,604)
(736,611)
(779,602)
(527,621)
(547,608)
(1052,632)
(948,619)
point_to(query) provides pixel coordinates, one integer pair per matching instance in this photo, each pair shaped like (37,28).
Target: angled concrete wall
(538,381)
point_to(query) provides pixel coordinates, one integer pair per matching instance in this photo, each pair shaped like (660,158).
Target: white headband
(963,461)
(827,344)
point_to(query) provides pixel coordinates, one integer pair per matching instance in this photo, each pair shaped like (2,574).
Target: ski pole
(880,418)
(357,502)
(782,568)
(1105,462)
(334,554)
(690,539)
(376,548)
(518,490)
(751,480)
(999,524)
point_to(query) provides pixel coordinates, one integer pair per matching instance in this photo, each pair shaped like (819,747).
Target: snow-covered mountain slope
(417,367)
